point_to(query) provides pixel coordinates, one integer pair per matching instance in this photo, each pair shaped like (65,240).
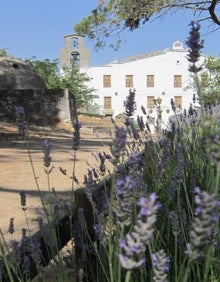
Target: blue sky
(37,27)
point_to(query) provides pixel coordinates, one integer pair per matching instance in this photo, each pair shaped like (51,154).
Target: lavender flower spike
(21,121)
(11,228)
(46,150)
(160,263)
(130,104)
(76,135)
(195,46)
(134,245)
(23,200)
(204,224)
(124,191)
(118,145)
(147,217)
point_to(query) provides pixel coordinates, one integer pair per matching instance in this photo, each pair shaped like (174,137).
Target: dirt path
(16,173)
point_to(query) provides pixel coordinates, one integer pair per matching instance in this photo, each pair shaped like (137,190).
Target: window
(129,80)
(106,80)
(75,58)
(150,80)
(107,102)
(74,42)
(177,80)
(150,102)
(178,101)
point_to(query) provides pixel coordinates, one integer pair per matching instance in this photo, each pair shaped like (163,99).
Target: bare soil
(16,172)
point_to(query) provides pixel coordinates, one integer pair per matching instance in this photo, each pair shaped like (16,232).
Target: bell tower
(74,50)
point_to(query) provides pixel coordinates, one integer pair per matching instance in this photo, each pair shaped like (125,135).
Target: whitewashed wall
(162,64)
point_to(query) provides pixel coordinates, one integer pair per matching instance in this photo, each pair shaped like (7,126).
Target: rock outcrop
(17,75)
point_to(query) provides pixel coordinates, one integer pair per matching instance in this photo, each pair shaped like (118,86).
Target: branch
(212,12)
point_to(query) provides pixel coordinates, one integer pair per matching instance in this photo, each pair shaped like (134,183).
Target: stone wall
(42,107)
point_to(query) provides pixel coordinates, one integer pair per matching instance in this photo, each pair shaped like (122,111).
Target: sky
(37,28)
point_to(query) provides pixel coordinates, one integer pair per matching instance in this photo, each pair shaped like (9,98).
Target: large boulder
(16,74)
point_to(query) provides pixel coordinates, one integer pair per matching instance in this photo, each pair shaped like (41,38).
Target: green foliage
(77,83)
(210,82)
(112,17)
(47,69)
(3,52)
(73,79)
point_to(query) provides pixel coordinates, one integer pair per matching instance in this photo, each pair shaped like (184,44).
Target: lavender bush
(156,217)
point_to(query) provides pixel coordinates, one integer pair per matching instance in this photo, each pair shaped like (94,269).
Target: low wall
(42,107)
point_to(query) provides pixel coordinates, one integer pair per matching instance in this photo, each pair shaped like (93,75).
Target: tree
(47,69)
(210,82)
(113,16)
(77,82)
(3,52)
(72,78)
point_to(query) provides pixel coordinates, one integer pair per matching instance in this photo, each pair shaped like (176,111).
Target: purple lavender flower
(128,188)
(172,105)
(195,45)
(140,122)
(135,164)
(135,161)
(160,263)
(90,185)
(143,110)
(11,228)
(177,177)
(63,171)
(26,241)
(102,167)
(133,247)
(36,253)
(123,208)
(47,150)
(147,216)
(118,146)
(100,227)
(175,222)
(21,121)
(95,174)
(132,253)
(130,104)
(15,254)
(204,224)
(76,180)
(76,135)
(164,156)
(23,200)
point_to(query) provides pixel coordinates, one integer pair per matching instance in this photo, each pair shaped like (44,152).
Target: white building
(161,74)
